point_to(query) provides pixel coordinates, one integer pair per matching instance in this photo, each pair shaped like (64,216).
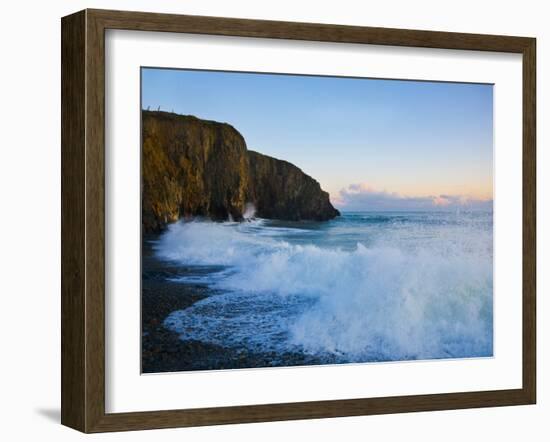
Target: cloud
(358,197)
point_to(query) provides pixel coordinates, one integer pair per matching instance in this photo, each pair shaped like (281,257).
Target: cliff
(193,167)
(280,190)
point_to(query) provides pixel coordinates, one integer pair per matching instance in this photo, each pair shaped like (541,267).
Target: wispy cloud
(363,197)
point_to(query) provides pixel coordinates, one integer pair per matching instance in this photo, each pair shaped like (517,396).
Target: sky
(372,144)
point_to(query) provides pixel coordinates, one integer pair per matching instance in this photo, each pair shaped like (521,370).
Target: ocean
(363,287)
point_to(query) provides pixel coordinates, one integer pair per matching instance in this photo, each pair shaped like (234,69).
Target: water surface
(363,287)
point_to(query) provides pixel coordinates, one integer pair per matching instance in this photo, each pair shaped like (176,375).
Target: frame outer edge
(529,221)
(196,24)
(73,257)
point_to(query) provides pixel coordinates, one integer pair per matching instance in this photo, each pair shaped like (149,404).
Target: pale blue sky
(400,138)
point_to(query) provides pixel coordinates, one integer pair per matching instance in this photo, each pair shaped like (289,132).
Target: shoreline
(163,351)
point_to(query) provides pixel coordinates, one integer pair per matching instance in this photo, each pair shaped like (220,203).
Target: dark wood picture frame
(83,220)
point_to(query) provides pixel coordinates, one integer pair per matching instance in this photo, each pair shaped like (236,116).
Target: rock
(193,167)
(280,190)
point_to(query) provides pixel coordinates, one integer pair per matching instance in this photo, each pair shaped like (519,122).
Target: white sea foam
(249,211)
(372,292)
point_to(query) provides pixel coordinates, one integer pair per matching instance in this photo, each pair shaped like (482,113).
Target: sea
(363,287)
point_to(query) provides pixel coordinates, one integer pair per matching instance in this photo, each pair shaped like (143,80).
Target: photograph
(306,220)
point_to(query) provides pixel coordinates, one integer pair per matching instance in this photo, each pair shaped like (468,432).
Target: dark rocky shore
(164,351)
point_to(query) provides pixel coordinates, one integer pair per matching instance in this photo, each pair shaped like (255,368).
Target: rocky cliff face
(193,167)
(280,190)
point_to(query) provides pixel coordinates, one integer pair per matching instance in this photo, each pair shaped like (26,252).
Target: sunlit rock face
(193,167)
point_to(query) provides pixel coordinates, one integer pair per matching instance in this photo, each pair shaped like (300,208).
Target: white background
(128,391)
(30,219)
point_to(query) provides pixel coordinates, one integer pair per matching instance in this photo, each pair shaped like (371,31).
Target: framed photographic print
(269,220)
